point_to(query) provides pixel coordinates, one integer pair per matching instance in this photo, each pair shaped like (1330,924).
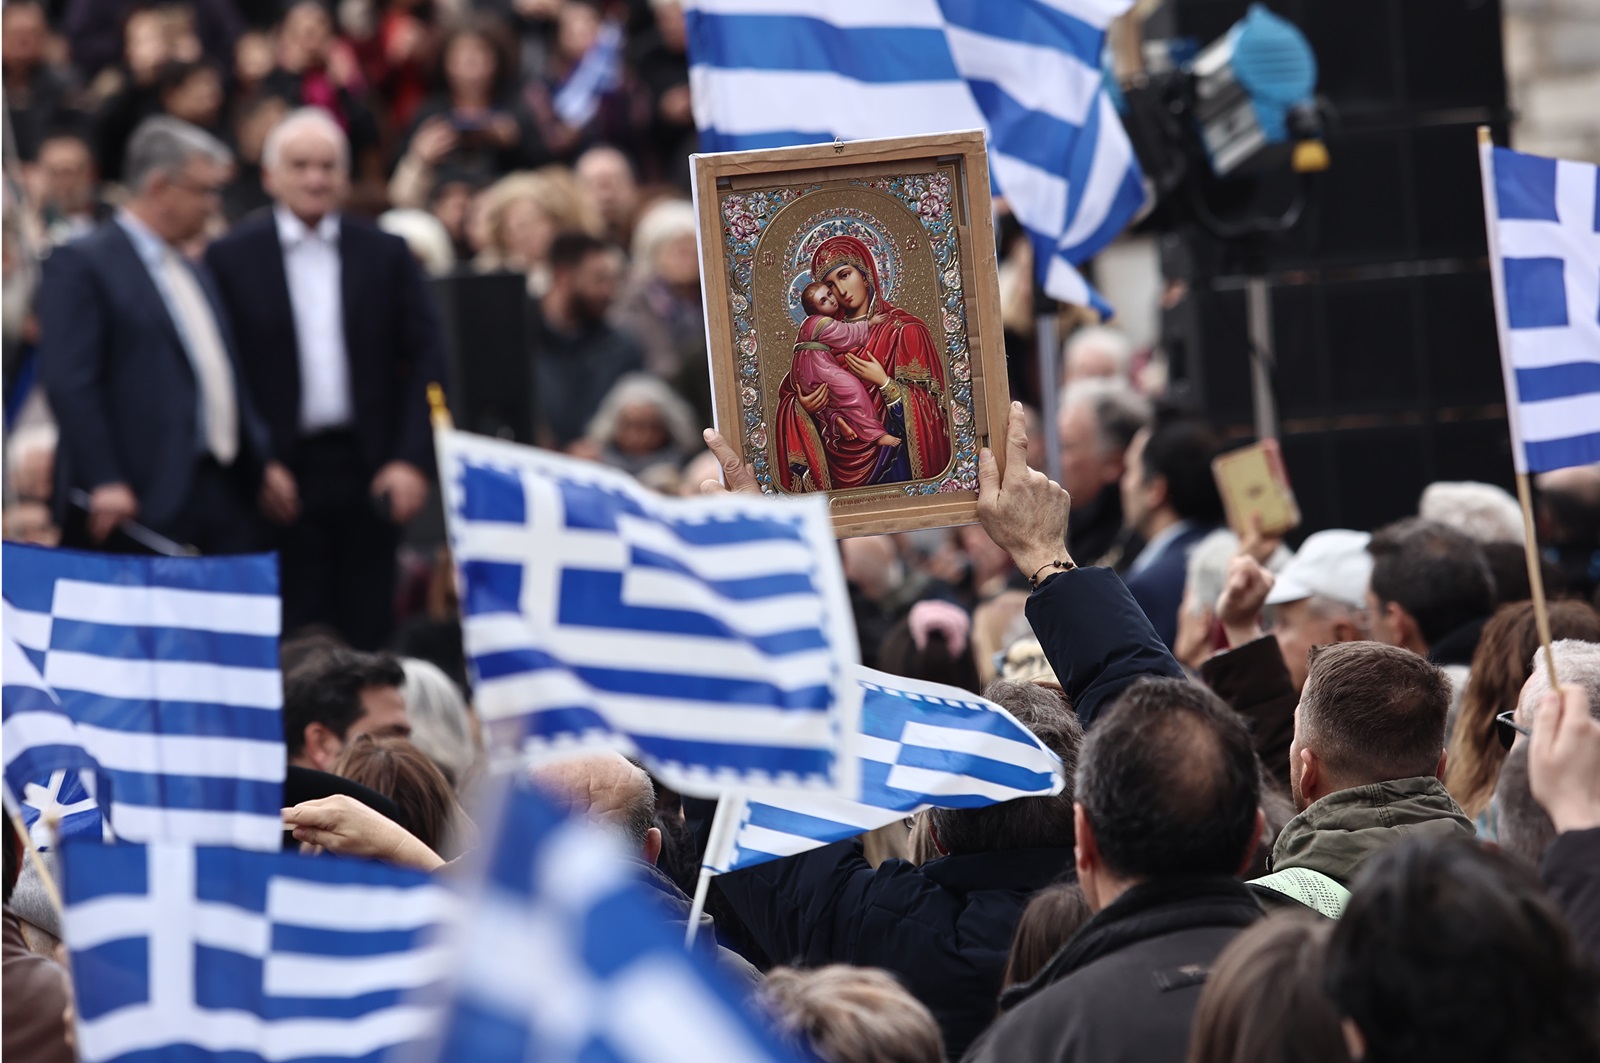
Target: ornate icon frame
(921,205)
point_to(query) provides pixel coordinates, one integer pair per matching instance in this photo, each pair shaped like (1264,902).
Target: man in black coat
(945,927)
(1167,816)
(141,366)
(339,338)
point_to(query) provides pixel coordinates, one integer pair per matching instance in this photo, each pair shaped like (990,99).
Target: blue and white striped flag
(168,670)
(1544,242)
(183,953)
(920,745)
(776,73)
(710,635)
(50,776)
(562,959)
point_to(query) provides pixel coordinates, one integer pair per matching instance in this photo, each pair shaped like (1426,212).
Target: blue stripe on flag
(594,599)
(773,759)
(111,975)
(748,589)
(712,139)
(323,941)
(983,768)
(1037,138)
(736,694)
(1558,381)
(1563,453)
(178,717)
(197,792)
(593,508)
(1536,292)
(786,821)
(796,43)
(1029,23)
(494,495)
(144,643)
(491,587)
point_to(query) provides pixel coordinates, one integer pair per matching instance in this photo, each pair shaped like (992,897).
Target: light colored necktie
(212,370)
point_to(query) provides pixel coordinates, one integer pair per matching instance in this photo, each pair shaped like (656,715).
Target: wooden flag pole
(438,409)
(1541,614)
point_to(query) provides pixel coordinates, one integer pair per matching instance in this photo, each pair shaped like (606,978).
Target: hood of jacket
(1336,834)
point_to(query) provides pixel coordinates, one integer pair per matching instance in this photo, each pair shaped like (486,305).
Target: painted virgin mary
(904,379)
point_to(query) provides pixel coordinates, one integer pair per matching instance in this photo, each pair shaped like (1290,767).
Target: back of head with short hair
(1170,783)
(164,145)
(1025,822)
(853,1015)
(1180,448)
(1373,713)
(1119,411)
(569,249)
(404,774)
(1447,951)
(327,690)
(1264,1001)
(1435,573)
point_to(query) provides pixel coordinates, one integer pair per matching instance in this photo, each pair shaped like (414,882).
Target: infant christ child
(849,413)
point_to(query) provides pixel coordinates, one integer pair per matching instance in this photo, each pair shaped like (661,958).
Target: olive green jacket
(1336,835)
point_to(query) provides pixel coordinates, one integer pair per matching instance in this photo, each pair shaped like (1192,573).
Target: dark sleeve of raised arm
(1096,638)
(1254,680)
(1570,869)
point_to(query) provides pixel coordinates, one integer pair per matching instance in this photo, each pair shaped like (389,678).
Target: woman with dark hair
(1264,1001)
(1450,953)
(1501,664)
(404,774)
(1047,923)
(476,128)
(931,644)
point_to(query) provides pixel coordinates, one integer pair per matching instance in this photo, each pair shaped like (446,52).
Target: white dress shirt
(311,264)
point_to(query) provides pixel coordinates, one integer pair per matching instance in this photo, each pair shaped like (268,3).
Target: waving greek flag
(50,776)
(707,635)
(1544,239)
(562,960)
(920,745)
(186,953)
(167,671)
(776,73)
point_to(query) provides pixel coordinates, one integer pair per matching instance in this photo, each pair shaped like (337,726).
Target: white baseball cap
(1331,564)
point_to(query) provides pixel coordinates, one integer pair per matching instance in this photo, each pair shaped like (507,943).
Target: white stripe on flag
(26,730)
(94,922)
(773,557)
(109,603)
(973,743)
(348,907)
(1113,155)
(29,629)
(758,101)
(1037,197)
(239,830)
(1042,79)
(1537,348)
(288,974)
(851,14)
(140,1028)
(660,589)
(191,755)
(930,781)
(1560,418)
(146,680)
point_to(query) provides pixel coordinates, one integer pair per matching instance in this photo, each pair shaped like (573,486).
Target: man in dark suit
(140,366)
(339,338)
(1170,498)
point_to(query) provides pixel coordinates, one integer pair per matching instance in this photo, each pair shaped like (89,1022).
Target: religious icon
(852,302)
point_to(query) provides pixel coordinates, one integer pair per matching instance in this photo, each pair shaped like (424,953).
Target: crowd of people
(1324,804)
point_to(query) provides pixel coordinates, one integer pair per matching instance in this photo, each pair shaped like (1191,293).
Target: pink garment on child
(849,402)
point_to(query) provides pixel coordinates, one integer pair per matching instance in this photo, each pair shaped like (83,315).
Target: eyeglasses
(1507,728)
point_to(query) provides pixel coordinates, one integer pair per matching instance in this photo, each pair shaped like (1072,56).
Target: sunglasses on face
(1507,728)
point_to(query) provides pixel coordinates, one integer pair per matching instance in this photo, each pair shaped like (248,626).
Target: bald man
(612,791)
(339,338)
(608,789)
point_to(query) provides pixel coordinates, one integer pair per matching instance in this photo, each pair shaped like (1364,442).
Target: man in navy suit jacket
(1170,498)
(339,338)
(139,363)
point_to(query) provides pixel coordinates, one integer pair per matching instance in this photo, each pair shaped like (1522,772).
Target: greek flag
(196,953)
(707,635)
(920,745)
(50,778)
(563,960)
(775,73)
(597,73)
(167,669)
(1544,241)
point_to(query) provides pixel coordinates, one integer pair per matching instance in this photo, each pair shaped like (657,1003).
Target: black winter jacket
(1124,988)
